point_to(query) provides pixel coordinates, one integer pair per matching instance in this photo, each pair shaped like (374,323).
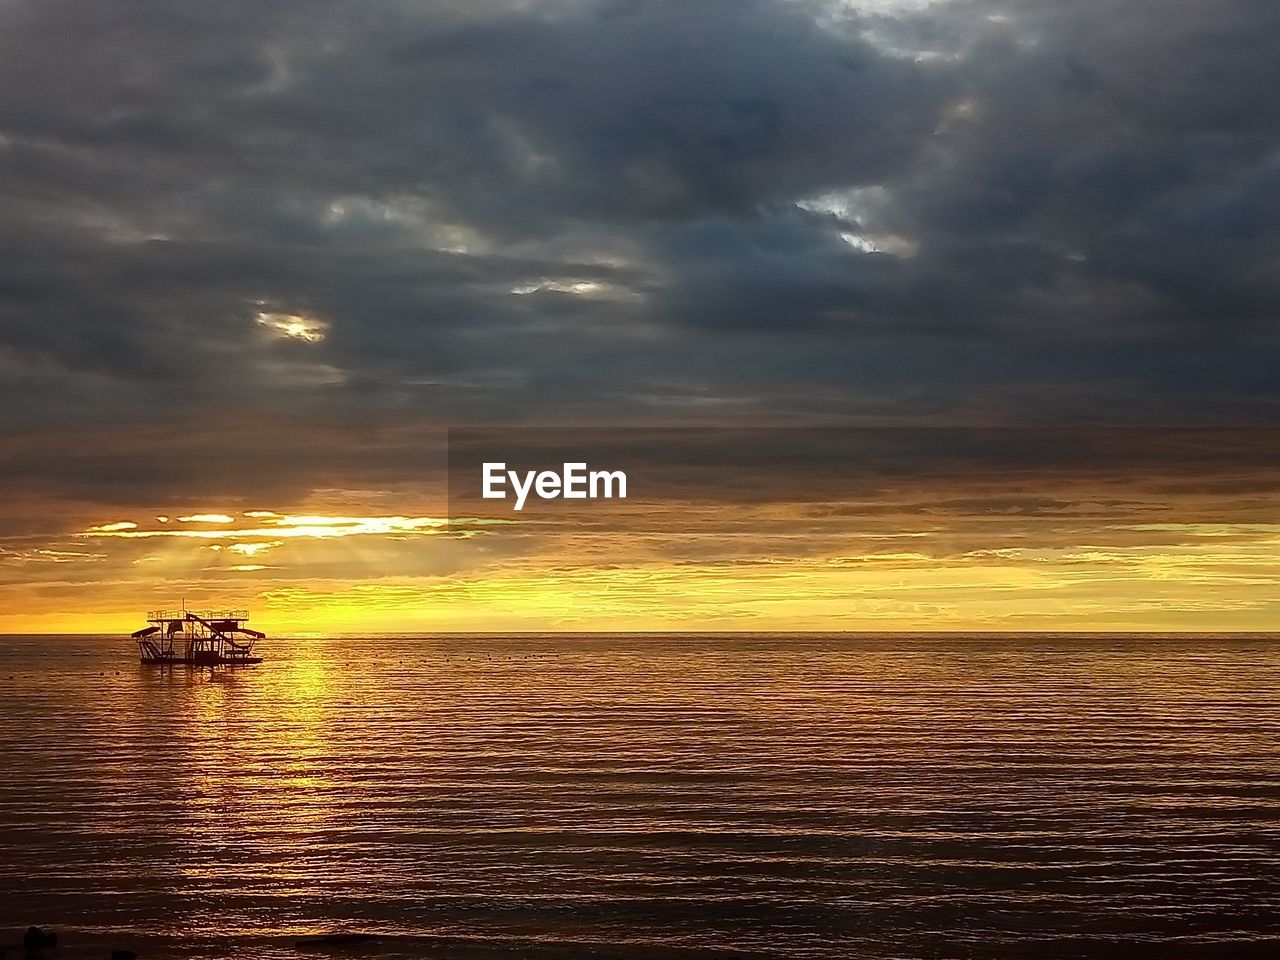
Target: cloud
(914,206)
(253,251)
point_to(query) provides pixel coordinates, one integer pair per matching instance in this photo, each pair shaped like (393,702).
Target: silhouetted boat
(200,637)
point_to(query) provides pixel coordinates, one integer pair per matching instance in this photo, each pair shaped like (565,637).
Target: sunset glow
(1109,551)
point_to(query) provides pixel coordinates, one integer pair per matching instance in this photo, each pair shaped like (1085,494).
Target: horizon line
(762,633)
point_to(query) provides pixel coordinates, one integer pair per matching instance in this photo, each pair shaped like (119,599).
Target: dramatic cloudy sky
(255,257)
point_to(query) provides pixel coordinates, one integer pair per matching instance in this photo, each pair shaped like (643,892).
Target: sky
(257,259)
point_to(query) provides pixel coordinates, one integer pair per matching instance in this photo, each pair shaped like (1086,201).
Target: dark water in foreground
(798,797)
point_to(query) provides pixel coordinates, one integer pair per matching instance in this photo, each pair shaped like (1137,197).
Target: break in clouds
(290,229)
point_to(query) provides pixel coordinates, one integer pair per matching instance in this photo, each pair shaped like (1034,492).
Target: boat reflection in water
(200,637)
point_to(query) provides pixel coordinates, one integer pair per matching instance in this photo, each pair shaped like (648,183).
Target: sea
(808,796)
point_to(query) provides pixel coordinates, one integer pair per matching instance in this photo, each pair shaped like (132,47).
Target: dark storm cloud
(486,211)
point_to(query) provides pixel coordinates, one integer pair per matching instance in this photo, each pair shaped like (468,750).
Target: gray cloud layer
(981,210)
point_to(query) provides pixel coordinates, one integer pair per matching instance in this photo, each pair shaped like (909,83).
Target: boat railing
(156,615)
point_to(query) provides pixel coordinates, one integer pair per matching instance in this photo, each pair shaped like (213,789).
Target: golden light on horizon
(277,525)
(606,582)
(973,549)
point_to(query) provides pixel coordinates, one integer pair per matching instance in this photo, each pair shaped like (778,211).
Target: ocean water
(649,796)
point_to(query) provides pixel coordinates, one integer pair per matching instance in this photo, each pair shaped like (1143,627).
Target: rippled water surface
(657,796)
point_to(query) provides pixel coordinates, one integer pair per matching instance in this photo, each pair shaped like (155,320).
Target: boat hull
(199,661)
